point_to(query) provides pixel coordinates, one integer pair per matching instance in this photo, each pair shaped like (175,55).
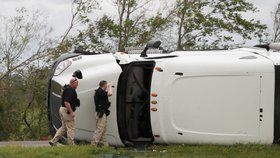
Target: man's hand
(109,89)
(68,106)
(73,114)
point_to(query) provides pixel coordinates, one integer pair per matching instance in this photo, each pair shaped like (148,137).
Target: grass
(174,151)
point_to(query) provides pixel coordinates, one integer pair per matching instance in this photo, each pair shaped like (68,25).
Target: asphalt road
(25,143)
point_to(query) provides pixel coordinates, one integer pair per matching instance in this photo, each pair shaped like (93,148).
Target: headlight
(62,66)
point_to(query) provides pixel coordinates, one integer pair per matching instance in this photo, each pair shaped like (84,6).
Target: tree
(24,43)
(24,39)
(276,26)
(132,26)
(74,34)
(23,109)
(213,24)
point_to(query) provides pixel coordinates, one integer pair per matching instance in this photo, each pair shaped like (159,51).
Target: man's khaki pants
(68,125)
(99,134)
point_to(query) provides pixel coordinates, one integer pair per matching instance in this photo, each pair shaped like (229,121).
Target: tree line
(28,48)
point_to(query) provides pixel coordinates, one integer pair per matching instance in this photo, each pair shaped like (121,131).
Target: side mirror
(151,44)
(275,46)
(78,74)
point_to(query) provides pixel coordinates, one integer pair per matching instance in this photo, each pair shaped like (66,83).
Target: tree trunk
(121,6)
(179,42)
(126,28)
(182,14)
(276,26)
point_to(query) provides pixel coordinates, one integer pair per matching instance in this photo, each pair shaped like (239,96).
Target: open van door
(133,103)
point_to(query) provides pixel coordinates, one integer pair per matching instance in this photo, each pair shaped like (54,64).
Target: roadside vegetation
(198,151)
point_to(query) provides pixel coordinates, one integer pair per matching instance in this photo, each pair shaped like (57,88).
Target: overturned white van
(191,97)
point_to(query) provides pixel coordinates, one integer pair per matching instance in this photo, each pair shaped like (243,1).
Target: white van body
(190,97)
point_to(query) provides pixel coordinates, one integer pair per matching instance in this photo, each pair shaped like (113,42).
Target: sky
(59,11)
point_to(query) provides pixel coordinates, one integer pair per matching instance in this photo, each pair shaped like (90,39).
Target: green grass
(174,151)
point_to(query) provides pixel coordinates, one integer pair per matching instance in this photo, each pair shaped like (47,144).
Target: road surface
(25,143)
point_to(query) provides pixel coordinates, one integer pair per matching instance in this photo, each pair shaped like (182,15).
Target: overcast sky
(59,11)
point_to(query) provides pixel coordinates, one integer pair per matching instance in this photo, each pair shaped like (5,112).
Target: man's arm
(68,106)
(68,96)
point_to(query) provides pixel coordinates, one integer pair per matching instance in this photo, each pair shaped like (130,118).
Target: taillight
(154,95)
(159,69)
(154,102)
(154,109)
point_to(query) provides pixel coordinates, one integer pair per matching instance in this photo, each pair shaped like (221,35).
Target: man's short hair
(102,83)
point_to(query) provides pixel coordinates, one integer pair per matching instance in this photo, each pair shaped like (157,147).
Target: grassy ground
(244,151)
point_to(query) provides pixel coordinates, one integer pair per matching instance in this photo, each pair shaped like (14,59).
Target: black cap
(78,74)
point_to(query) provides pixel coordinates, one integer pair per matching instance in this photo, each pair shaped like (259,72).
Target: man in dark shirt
(67,113)
(102,105)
